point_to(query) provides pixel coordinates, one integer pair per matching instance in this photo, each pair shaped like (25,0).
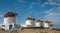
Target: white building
(30,22)
(9,20)
(39,23)
(47,24)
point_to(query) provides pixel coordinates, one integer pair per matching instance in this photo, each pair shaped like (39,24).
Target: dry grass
(37,30)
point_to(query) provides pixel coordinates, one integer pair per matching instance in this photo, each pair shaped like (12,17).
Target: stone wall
(33,30)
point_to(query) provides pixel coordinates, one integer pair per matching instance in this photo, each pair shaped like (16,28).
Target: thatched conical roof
(10,14)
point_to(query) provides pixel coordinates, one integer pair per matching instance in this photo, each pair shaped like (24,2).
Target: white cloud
(52,3)
(51,14)
(54,16)
(50,10)
(1,15)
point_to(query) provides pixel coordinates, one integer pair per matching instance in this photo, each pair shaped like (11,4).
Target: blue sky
(46,9)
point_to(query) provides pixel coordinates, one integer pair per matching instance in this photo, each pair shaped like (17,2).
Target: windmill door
(10,27)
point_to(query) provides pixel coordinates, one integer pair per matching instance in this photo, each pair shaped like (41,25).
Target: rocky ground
(33,30)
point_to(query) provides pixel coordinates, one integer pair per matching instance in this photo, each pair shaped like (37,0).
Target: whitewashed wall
(9,21)
(30,23)
(46,25)
(38,24)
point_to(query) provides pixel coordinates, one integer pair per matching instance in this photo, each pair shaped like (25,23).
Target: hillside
(33,30)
